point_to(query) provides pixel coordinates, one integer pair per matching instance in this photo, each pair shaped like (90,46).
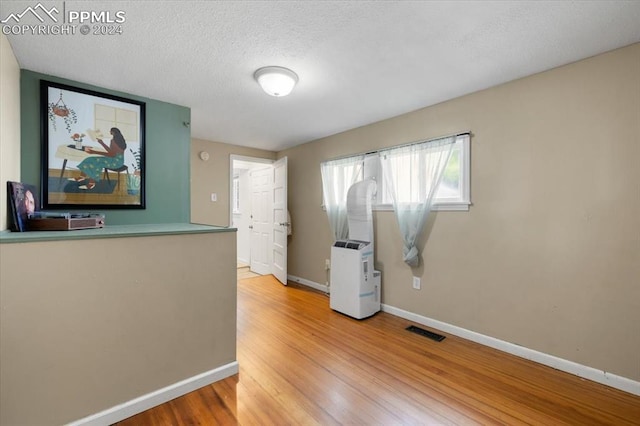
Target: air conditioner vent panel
(351,244)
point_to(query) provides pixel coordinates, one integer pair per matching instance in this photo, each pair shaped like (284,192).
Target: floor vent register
(426,333)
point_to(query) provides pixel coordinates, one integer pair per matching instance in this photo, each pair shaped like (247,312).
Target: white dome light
(276,81)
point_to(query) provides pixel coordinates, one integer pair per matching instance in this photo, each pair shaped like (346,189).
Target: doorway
(258,211)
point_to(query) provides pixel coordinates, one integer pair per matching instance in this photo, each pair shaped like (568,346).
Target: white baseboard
(561,364)
(321,287)
(155,398)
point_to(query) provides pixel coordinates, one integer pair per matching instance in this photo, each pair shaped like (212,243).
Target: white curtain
(420,168)
(337,178)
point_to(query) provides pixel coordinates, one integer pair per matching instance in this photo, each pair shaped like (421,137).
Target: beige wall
(548,257)
(9,123)
(89,324)
(212,176)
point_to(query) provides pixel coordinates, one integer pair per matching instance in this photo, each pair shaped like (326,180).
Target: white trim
(235,195)
(249,159)
(454,206)
(561,364)
(160,396)
(322,287)
(461,206)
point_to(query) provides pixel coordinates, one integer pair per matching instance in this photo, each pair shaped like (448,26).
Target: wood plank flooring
(244,272)
(303,364)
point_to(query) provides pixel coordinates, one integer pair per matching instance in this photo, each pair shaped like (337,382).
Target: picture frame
(23,202)
(93,149)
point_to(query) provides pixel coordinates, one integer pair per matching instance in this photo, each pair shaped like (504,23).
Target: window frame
(371,168)
(460,204)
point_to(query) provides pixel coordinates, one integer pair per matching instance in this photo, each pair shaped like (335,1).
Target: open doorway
(258,210)
(240,214)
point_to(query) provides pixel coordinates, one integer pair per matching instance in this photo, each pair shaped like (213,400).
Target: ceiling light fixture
(276,81)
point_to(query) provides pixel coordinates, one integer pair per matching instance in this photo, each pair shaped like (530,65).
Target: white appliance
(355,285)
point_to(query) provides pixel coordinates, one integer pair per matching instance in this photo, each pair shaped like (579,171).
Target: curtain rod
(400,146)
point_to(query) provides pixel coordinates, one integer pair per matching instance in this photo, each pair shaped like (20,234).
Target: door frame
(267,162)
(232,159)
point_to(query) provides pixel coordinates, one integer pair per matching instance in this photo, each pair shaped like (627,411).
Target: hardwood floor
(244,272)
(303,364)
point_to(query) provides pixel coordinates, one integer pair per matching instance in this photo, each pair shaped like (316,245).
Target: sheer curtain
(412,174)
(337,177)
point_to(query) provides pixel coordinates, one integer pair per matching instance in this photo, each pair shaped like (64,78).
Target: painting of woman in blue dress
(91,168)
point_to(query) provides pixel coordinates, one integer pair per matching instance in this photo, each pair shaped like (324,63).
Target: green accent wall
(167,147)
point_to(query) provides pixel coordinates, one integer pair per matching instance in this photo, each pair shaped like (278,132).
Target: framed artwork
(93,149)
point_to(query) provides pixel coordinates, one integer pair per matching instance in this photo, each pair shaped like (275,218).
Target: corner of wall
(212,176)
(9,123)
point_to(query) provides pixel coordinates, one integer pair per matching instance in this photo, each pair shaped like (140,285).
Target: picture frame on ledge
(23,202)
(93,149)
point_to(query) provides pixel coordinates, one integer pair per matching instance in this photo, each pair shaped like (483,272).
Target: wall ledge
(160,396)
(115,231)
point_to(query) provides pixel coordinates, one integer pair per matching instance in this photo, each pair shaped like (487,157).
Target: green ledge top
(112,231)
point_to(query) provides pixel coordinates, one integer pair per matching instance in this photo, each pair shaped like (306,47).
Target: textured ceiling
(358,62)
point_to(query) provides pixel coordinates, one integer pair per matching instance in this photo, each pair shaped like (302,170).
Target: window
(235,196)
(453,192)
(107,117)
(339,176)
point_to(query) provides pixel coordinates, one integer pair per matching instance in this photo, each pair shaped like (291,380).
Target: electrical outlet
(416,283)
(327,264)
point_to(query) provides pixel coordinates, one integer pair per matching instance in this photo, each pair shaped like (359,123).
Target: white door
(280,220)
(260,219)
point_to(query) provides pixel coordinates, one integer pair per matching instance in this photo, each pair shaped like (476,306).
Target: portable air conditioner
(355,285)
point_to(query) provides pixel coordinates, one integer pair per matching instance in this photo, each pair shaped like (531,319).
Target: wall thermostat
(204,155)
